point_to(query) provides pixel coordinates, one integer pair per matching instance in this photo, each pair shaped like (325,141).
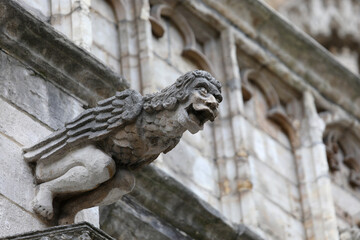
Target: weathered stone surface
(81,231)
(327,77)
(193,166)
(121,134)
(10,214)
(30,92)
(105,33)
(272,153)
(19,126)
(279,190)
(43,49)
(156,199)
(17,182)
(90,215)
(122,221)
(346,205)
(276,222)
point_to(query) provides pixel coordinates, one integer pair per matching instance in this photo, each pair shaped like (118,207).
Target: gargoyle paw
(42,203)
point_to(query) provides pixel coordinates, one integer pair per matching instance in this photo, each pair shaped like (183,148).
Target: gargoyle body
(89,162)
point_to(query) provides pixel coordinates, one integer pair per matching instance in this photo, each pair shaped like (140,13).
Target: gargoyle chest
(131,146)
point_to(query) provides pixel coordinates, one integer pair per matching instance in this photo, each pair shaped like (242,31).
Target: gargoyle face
(201,106)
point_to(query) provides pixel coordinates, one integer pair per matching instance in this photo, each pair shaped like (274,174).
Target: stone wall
(263,162)
(335,25)
(31,108)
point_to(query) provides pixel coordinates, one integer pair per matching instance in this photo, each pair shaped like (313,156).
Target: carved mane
(171,96)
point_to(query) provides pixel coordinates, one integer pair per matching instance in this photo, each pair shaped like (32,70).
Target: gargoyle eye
(203,91)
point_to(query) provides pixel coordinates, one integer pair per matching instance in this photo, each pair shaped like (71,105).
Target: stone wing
(91,125)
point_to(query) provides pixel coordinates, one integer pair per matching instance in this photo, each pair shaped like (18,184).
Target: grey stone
(30,92)
(44,49)
(169,209)
(123,133)
(81,231)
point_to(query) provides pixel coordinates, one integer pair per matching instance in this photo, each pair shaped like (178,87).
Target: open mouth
(200,116)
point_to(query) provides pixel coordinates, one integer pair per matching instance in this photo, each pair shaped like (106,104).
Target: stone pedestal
(80,231)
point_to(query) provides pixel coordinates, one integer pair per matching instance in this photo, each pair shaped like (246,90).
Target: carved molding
(342,145)
(276,112)
(245,85)
(189,51)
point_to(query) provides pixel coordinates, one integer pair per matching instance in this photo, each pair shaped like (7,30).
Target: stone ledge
(80,231)
(174,209)
(53,56)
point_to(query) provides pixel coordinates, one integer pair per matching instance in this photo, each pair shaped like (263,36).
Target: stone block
(227,132)
(275,187)
(17,181)
(15,220)
(313,163)
(83,231)
(61,7)
(231,208)
(32,94)
(106,58)
(161,46)
(345,201)
(105,35)
(99,53)
(82,34)
(163,78)
(274,220)
(90,215)
(43,6)
(239,131)
(271,152)
(176,47)
(104,9)
(281,159)
(114,64)
(202,141)
(19,126)
(188,163)
(62,23)
(248,208)
(258,144)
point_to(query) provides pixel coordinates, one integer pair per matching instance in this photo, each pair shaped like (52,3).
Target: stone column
(234,172)
(315,183)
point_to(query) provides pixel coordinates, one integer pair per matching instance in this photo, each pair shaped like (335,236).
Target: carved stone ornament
(89,161)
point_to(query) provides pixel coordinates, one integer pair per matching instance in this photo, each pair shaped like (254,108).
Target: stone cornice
(163,196)
(55,57)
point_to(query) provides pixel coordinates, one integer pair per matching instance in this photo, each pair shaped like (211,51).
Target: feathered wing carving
(91,125)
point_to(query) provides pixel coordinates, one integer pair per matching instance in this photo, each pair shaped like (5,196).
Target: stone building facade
(280,162)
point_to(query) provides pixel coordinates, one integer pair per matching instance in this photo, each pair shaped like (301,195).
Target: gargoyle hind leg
(107,193)
(79,171)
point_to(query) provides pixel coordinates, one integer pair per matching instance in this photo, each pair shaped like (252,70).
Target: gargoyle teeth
(200,116)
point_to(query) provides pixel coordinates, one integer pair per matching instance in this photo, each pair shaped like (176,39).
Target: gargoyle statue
(89,161)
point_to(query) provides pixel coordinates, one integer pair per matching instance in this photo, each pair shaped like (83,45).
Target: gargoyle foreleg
(109,192)
(86,168)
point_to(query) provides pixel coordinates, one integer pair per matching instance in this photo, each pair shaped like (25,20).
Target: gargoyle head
(195,96)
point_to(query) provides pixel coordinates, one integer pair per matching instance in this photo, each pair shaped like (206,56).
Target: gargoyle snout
(212,103)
